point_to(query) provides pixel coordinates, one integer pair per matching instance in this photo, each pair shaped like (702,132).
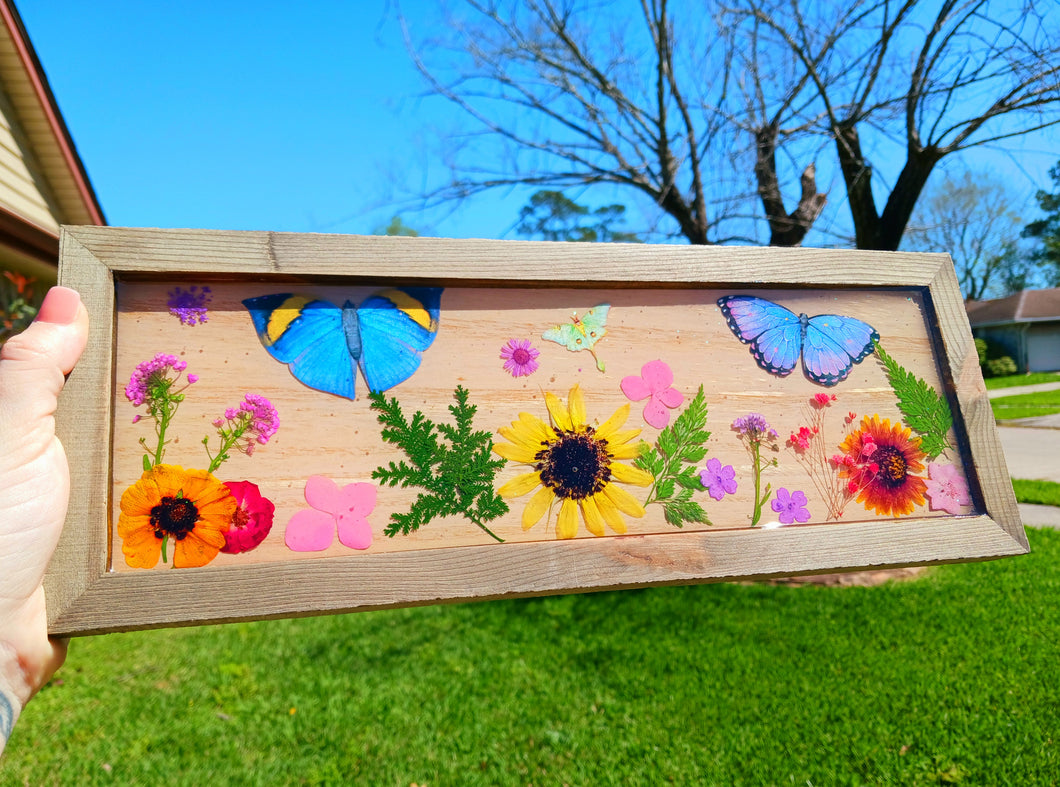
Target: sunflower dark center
(521,356)
(174,516)
(893,466)
(575,465)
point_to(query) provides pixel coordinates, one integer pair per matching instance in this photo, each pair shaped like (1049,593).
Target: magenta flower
(253,518)
(654,383)
(719,481)
(153,378)
(791,506)
(520,357)
(190,305)
(946,488)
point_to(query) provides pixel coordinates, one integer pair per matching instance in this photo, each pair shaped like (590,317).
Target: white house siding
(21,191)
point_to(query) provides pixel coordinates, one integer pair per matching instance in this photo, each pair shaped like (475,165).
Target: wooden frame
(87,595)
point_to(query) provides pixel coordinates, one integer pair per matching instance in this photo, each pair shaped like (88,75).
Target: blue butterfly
(323,344)
(830,344)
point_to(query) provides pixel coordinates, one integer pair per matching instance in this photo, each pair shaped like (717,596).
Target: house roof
(46,180)
(1026,306)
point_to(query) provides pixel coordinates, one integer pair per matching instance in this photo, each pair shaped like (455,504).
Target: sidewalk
(1032,450)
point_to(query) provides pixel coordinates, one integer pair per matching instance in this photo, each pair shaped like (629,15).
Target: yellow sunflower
(577,463)
(168,502)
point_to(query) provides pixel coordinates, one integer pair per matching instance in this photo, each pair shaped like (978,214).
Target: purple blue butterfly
(829,344)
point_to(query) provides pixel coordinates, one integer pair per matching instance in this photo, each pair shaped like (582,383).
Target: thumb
(33,366)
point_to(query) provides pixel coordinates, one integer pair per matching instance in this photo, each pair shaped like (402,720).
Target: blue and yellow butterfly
(323,344)
(830,344)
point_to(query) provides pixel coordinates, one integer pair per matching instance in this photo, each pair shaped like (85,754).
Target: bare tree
(637,106)
(706,109)
(972,218)
(910,82)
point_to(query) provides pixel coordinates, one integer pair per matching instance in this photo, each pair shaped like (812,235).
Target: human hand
(34,492)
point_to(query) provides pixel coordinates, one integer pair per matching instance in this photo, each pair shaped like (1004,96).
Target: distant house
(42,181)
(1026,324)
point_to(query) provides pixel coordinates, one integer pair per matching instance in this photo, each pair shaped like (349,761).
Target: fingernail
(60,306)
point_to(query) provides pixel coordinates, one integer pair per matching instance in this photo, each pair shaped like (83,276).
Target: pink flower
(801,439)
(654,385)
(946,488)
(253,518)
(332,507)
(520,357)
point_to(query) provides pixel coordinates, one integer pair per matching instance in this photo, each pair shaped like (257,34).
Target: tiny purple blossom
(754,426)
(190,305)
(264,420)
(193,378)
(719,481)
(791,506)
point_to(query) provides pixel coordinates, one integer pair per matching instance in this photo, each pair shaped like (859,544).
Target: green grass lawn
(1022,379)
(1026,405)
(948,679)
(1045,493)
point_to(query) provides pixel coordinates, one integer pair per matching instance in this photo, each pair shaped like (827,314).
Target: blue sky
(306,118)
(240,115)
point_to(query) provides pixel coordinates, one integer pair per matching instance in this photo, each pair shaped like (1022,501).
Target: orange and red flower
(881,466)
(189,507)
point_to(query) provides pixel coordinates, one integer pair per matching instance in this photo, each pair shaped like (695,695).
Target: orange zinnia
(189,506)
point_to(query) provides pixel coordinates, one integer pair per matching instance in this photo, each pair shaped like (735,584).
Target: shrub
(980,349)
(1000,367)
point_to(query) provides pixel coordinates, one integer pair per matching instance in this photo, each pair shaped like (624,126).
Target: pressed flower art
(883,467)
(575,463)
(199,513)
(672,463)
(756,433)
(189,507)
(811,447)
(654,384)
(520,357)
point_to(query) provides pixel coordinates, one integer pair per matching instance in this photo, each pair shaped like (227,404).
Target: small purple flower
(791,506)
(520,357)
(754,426)
(150,375)
(718,480)
(193,378)
(190,305)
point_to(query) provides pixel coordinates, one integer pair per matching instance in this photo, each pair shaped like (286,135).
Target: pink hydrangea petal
(309,531)
(655,414)
(635,388)
(355,531)
(356,500)
(671,397)
(322,493)
(658,375)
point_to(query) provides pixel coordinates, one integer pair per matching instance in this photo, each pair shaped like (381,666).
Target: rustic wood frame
(84,598)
